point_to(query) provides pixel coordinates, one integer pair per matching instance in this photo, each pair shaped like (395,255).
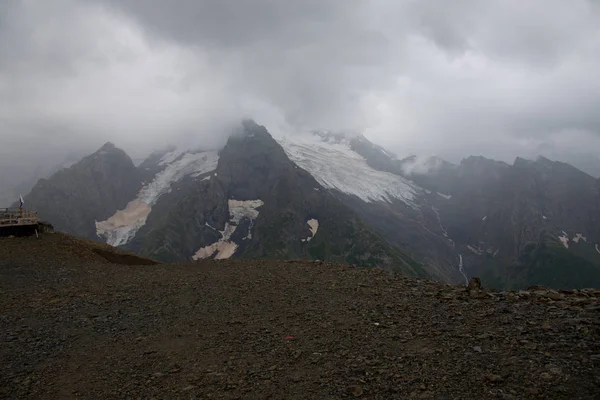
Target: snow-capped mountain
(394,206)
(331,196)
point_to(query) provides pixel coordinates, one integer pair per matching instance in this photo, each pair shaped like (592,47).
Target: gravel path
(75,325)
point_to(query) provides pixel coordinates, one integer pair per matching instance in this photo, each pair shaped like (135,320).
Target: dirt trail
(81,327)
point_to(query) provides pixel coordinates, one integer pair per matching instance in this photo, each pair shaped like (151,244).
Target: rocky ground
(75,325)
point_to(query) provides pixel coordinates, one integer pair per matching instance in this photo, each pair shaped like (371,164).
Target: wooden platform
(10,217)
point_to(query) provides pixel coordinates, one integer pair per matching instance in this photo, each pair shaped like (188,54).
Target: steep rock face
(514,225)
(365,178)
(288,203)
(417,231)
(88,191)
(530,223)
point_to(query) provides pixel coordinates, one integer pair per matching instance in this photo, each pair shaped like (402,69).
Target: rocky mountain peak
(88,191)
(480,161)
(108,146)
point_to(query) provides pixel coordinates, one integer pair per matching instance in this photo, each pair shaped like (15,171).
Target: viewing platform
(17,217)
(18,222)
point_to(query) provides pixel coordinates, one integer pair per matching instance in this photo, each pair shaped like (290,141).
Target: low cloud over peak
(498,78)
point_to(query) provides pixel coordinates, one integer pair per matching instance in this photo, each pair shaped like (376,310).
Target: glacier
(122,226)
(335,165)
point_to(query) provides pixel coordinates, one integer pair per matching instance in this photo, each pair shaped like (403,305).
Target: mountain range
(337,197)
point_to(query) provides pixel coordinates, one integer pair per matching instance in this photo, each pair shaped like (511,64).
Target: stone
(355,391)
(494,378)
(553,295)
(474,284)
(546,376)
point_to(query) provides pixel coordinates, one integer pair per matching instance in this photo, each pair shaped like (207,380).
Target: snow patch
(122,226)
(461,269)
(313,225)
(598,249)
(440,222)
(335,166)
(544,217)
(474,250)
(446,196)
(578,237)
(224,247)
(564,240)
(484,218)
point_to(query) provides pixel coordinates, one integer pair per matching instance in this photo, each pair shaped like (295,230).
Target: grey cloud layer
(499,77)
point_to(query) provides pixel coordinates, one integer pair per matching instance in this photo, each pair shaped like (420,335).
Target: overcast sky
(497,77)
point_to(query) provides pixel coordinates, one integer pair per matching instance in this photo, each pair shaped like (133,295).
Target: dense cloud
(499,78)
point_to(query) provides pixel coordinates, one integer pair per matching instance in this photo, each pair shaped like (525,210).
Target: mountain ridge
(256,196)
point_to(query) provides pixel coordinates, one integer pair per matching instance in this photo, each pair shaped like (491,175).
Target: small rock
(477,349)
(554,369)
(474,284)
(188,388)
(532,391)
(355,391)
(553,295)
(546,376)
(494,378)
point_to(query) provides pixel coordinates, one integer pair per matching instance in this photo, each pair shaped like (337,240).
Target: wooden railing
(17,217)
